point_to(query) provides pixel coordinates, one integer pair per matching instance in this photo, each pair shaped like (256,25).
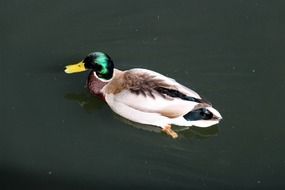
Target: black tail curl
(199,114)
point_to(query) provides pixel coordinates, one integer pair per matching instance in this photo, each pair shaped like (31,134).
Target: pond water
(54,135)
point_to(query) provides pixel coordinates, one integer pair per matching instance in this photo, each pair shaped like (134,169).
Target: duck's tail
(203,115)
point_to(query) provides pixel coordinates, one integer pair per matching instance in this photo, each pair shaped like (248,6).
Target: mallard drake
(145,96)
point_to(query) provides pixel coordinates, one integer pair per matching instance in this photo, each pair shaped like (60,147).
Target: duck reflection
(88,102)
(186,132)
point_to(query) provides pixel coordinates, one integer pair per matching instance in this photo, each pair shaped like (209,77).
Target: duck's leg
(167,129)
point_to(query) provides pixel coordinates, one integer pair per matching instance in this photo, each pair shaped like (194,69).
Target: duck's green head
(99,62)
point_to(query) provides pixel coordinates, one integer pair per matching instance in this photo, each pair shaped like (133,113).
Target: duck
(145,96)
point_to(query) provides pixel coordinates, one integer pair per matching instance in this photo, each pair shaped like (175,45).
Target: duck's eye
(97,67)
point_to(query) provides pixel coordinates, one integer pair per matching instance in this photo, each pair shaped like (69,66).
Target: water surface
(54,135)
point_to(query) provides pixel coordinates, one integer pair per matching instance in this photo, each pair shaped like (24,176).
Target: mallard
(145,96)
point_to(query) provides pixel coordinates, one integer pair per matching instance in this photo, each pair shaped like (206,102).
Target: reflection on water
(85,100)
(201,133)
(188,132)
(91,103)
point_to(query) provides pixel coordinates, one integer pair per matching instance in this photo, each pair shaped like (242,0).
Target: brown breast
(95,85)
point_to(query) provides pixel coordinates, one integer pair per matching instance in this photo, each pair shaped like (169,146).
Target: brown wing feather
(144,83)
(147,85)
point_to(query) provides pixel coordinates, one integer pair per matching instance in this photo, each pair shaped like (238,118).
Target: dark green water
(54,135)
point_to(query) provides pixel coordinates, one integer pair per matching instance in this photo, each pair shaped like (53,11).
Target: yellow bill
(79,67)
